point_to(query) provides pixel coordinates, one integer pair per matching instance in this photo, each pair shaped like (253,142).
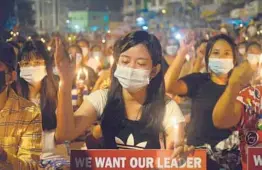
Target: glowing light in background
(43,40)
(163,11)
(49,48)
(76,26)
(145,28)
(178,36)
(140,21)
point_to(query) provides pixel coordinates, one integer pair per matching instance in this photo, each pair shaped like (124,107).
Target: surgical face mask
(85,51)
(220,66)
(33,74)
(242,51)
(203,62)
(253,59)
(55,71)
(2,81)
(252,31)
(78,58)
(132,79)
(96,55)
(171,50)
(188,57)
(223,30)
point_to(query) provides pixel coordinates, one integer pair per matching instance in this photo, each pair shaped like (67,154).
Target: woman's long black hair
(49,85)
(153,110)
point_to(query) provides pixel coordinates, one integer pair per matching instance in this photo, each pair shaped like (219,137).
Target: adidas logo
(130,143)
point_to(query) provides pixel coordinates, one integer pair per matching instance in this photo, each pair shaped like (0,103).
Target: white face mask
(220,66)
(33,74)
(171,50)
(252,31)
(96,55)
(253,59)
(242,51)
(78,58)
(55,71)
(188,57)
(223,30)
(132,79)
(85,51)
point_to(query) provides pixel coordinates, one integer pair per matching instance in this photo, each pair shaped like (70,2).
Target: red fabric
(250,97)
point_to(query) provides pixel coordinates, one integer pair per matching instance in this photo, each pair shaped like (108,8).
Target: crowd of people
(134,94)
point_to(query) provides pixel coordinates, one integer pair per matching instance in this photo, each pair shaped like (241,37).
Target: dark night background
(25,13)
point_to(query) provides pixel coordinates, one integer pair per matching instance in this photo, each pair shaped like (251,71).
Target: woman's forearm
(227,111)
(65,117)
(173,72)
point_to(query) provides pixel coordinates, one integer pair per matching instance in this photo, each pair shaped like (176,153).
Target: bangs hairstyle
(200,42)
(251,44)
(77,47)
(84,41)
(33,50)
(211,42)
(48,93)
(153,109)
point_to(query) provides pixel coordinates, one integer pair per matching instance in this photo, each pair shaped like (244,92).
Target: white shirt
(98,99)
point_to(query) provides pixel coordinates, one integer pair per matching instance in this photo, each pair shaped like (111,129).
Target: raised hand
(65,66)
(241,75)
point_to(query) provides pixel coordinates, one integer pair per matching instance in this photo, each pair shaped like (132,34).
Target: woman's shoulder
(169,103)
(98,96)
(171,107)
(173,114)
(100,92)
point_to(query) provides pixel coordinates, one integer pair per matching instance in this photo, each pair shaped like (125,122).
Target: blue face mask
(220,66)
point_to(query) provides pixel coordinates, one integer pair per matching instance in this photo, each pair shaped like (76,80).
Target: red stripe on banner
(135,160)
(254,158)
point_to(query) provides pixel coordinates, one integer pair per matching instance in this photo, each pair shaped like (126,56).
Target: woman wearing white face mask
(205,89)
(81,87)
(97,59)
(84,45)
(134,111)
(254,57)
(253,54)
(38,84)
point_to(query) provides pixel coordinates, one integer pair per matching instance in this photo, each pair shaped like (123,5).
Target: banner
(254,160)
(135,160)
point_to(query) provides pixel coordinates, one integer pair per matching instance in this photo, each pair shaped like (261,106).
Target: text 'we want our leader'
(137,162)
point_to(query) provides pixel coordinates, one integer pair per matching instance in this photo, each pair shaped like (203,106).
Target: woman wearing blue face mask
(205,90)
(37,83)
(134,111)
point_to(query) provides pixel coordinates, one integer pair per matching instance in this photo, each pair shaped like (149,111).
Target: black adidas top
(131,136)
